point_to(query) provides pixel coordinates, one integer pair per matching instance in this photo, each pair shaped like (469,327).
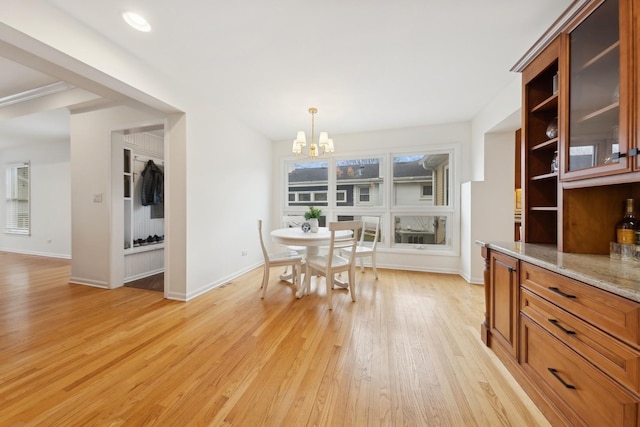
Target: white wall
(228,177)
(50,198)
(487,204)
(398,140)
(218,171)
(91,176)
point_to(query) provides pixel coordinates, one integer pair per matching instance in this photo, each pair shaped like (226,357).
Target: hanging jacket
(152,192)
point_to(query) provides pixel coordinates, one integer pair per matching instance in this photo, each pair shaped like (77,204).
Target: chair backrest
(338,242)
(370,230)
(292,221)
(264,249)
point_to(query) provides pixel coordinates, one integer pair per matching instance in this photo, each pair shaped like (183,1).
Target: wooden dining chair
(368,241)
(332,263)
(279,259)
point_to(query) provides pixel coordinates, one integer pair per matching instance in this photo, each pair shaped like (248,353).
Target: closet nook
(143,177)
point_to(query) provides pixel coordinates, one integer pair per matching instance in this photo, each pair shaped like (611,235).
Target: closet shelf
(145,248)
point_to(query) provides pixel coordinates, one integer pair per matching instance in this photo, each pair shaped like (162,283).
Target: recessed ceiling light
(136,21)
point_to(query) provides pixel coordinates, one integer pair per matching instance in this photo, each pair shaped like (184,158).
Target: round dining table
(294,236)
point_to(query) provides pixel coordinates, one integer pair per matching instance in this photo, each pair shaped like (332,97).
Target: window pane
(421,180)
(320,197)
(420,230)
(18,214)
(368,238)
(360,181)
(307,181)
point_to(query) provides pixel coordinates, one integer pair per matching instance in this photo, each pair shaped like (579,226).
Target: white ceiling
(366,65)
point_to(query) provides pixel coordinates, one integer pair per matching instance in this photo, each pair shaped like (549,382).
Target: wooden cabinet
(594,48)
(579,346)
(504,294)
(579,391)
(598,64)
(576,350)
(540,146)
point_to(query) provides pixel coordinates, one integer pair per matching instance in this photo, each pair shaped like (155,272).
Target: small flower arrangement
(312,213)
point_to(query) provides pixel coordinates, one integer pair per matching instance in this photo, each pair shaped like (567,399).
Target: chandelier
(324,145)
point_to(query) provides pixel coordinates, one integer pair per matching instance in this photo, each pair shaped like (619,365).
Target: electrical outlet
(244,253)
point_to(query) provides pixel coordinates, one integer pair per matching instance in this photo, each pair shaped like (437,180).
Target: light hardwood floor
(408,353)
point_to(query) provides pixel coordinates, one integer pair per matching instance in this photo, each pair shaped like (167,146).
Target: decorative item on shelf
(554,83)
(313,216)
(554,162)
(627,227)
(324,145)
(552,129)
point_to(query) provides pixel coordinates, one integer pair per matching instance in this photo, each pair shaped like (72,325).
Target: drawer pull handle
(554,372)
(559,292)
(559,326)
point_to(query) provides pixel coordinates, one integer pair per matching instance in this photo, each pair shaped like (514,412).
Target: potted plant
(313,216)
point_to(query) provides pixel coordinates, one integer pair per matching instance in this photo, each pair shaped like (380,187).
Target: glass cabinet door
(595,140)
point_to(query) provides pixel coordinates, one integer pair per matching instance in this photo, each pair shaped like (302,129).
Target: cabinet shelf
(549,104)
(145,248)
(599,112)
(603,54)
(551,144)
(544,208)
(551,175)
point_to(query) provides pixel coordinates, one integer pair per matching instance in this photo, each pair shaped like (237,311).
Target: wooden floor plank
(407,352)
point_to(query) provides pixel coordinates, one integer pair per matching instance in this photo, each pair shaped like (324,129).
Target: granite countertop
(616,276)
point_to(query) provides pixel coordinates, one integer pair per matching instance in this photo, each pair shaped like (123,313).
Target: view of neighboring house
(418,181)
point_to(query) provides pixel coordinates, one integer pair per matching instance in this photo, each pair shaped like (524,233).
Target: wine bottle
(627,226)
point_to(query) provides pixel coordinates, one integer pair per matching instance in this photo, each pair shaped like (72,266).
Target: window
(421,195)
(17,195)
(420,230)
(421,179)
(363,195)
(415,203)
(307,183)
(360,180)
(304,197)
(427,191)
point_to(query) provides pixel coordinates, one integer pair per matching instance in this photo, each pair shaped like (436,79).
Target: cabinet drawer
(611,313)
(583,394)
(615,358)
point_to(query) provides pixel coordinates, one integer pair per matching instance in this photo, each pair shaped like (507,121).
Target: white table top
(295,236)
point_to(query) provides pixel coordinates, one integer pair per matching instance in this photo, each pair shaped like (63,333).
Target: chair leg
(362,264)
(352,283)
(373,264)
(328,279)
(265,280)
